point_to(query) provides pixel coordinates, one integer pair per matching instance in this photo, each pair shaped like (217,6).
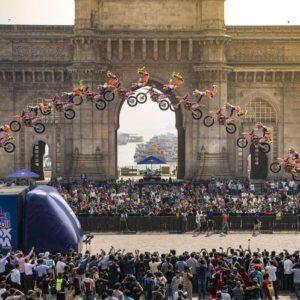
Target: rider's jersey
(209,93)
(295,156)
(113,82)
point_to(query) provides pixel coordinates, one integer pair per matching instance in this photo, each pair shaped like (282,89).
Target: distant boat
(125,138)
(162,146)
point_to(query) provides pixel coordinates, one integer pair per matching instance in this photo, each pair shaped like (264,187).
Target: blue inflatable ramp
(50,224)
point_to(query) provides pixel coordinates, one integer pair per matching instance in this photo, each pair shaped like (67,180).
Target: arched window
(260,111)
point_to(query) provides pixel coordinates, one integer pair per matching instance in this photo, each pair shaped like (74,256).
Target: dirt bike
(97,99)
(128,95)
(108,94)
(194,107)
(242,142)
(65,107)
(28,121)
(283,163)
(76,96)
(8,143)
(162,99)
(228,122)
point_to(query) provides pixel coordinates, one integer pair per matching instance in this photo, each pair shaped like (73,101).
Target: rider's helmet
(109,74)
(141,70)
(292,150)
(259,125)
(6,127)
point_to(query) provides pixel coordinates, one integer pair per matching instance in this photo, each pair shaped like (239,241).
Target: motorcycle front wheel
(39,127)
(275,167)
(9,147)
(242,142)
(69,114)
(15,126)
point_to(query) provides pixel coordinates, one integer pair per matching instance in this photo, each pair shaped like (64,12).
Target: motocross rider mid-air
(78,91)
(207,93)
(294,157)
(5,130)
(235,108)
(112,82)
(266,131)
(175,82)
(143,80)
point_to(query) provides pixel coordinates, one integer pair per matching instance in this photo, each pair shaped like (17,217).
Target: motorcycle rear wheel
(9,147)
(141,98)
(69,114)
(208,121)
(231,128)
(242,142)
(100,105)
(265,147)
(15,126)
(275,167)
(131,101)
(296,176)
(197,114)
(109,96)
(164,105)
(39,128)
(77,100)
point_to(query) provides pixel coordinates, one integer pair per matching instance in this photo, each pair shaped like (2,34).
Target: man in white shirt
(288,274)
(3,263)
(15,277)
(271,269)
(29,278)
(60,266)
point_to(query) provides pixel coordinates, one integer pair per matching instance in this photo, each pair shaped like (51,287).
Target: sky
(237,12)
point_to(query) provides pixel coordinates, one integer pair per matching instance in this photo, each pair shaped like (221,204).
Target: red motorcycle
(228,122)
(8,143)
(242,142)
(129,96)
(162,99)
(29,121)
(97,99)
(283,163)
(65,107)
(194,107)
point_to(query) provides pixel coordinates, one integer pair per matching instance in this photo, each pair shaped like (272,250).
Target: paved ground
(164,242)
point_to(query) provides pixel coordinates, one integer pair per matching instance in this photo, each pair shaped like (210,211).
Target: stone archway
(178,124)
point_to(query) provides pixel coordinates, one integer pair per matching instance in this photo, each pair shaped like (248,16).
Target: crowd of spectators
(119,275)
(238,197)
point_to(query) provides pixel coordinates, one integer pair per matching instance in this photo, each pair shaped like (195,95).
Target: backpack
(212,287)
(87,287)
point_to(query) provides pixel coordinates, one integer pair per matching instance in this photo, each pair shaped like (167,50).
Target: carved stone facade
(247,63)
